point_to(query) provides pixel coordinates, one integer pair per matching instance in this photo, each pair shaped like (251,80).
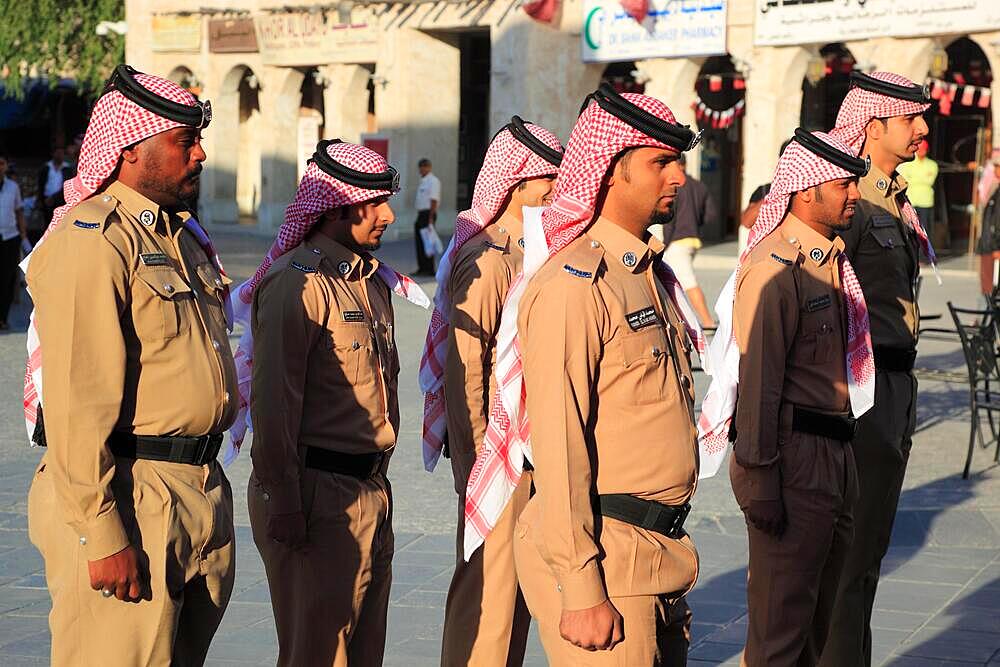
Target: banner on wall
(304,38)
(671,28)
(786,22)
(175,32)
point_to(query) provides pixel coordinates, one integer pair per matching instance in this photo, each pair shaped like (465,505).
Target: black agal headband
(519,130)
(385,180)
(123,80)
(838,158)
(679,137)
(914,93)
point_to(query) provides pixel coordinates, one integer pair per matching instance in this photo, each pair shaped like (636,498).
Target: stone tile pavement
(939,602)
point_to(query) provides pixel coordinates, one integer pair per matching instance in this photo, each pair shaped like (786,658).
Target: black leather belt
(361,466)
(836,427)
(664,519)
(899,359)
(174,449)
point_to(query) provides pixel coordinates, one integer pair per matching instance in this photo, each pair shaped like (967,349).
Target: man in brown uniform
(601,556)
(486,621)
(882,117)
(139,385)
(325,413)
(792,468)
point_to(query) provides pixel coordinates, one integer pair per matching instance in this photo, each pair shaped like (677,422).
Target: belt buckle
(677,523)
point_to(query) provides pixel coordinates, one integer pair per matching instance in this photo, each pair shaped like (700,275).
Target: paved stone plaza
(939,603)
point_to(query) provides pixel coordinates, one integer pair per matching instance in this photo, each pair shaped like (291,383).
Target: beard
(661,217)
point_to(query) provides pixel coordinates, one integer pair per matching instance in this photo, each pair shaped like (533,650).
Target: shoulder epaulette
(306,260)
(93,213)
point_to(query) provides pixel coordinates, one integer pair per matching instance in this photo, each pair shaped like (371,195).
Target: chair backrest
(978,331)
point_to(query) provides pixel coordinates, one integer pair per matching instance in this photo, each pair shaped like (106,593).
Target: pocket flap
(645,346)
(211,277)
(164,280)
(887,237)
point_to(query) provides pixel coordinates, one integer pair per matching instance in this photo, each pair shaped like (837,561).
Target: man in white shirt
(12,234)
(427,200)
(50,182)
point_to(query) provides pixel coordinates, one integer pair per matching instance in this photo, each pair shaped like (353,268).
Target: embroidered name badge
(641,319)
(353,316)
(154,259)
(86,225)
(818,303)
(303,268)
(781,260)
(883,220)
(577,272)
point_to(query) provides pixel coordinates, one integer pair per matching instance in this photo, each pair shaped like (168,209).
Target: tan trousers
(485,620)
(657,629)
(792,580)
(330,597)
(180,518)
(881,451)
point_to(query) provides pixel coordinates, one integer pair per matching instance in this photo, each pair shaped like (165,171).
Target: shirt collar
(146,211)
(632,253)
(811,243)
(881,184)
(344,261)
(510,226)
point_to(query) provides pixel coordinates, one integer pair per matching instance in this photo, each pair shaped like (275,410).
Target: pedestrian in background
(427,200)
(921,174)
(988,246)
(13,236)
(51,176)
(693,208)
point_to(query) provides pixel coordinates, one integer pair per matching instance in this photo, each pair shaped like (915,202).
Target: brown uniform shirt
(788,319)
(131,319)
(480,277)
(325,364)
(610,399)
(885,253)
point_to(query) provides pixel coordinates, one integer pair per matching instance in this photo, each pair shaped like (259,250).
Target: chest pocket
(886,235)
(646,356)
(214,284)
(350,346)
(161,304)
(817,328)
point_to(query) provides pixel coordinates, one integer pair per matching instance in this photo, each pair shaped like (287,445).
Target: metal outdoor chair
(977,329)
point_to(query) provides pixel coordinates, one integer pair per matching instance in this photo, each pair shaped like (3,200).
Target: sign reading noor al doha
(786,22)
(672,28)
(305,38)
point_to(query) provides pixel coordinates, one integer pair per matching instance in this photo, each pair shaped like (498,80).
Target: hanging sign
(671,28)
(304,38)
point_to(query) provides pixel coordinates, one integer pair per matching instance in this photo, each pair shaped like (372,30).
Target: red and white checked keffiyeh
(115,123)
(318,192)
(597,138)
(859,108)
(507,163)
(798,169)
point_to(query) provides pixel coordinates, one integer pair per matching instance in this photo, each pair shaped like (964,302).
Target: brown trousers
(656,628)
(485,620)
(881,450)
(330,597)
(180,518)
(792,580)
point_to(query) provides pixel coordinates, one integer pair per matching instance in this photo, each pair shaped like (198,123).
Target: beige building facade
(436,79)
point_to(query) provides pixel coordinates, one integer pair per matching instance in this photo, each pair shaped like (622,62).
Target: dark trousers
(425,262)
(10,255)
(881,450)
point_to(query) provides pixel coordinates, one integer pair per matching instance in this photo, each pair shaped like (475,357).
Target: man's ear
(805,196)
(874,129)
(131,154)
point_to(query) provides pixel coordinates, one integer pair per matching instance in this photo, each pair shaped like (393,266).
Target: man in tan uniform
(792,468)
(600,552)
(325,413)
(882,117)
(486,620)
(129,504)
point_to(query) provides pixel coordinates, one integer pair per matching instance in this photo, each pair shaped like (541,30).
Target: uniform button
(826,328)
(266,496)
(83,541)
(355,345)
(169,288)
(218,283)
(502,230)
(215,344)
(107,197)
(559,587)
(226,397)
(686,381)
(595,244)
(656,352)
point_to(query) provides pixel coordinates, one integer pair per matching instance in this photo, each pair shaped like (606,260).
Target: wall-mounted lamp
(815,70)
(939,63)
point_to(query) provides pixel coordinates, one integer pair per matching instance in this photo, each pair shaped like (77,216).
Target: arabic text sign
(783,22)
(291,39)
(672,28)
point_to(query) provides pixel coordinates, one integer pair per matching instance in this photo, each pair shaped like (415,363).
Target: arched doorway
(827,80)
(186,79)
(311,116)
(960,125)
(720,103)
(248,148)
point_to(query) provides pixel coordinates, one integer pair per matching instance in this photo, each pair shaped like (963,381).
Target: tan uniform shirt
(480,277)
(325,364)
(788,319)
(610,400)
(885,253)
(131,318)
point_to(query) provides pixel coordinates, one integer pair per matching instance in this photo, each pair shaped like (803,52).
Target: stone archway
(825,85)
(236,158)
(186,79)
